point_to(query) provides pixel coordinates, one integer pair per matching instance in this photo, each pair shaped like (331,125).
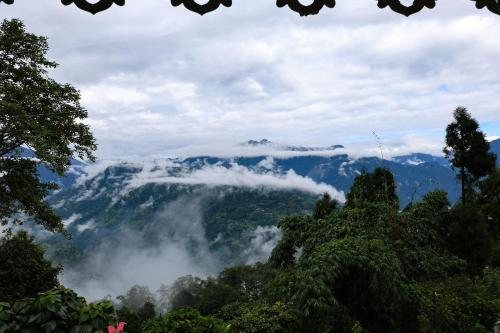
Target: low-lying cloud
(235,175)
(129,257)
(171,245)
(263,241)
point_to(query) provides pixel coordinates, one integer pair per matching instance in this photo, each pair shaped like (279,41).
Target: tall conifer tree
(468,150)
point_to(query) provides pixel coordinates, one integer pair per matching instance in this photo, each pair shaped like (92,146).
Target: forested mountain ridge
(415,174)
(229,198)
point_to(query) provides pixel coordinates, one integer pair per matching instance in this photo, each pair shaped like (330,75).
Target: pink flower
(119,328)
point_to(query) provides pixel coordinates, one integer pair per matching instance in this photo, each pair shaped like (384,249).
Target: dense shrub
(185,320)
(263,318)
(57,311)
(136,319)
(460,304)
(23,270)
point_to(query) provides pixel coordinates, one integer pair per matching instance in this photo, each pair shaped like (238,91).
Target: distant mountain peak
(257,143)
(267,143)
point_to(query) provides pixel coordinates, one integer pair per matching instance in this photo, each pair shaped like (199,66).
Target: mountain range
(213,211)
(416,173)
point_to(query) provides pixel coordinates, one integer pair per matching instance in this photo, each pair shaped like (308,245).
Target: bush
(57,311)
(185,320)
(266,319)
(135,320)
(460,304)
(23,270)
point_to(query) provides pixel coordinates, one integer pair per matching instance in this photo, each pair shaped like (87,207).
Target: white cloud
(89,225)
(70,220)
(267,163)
(235,175)
(263,241)
(94,169)
(492,138)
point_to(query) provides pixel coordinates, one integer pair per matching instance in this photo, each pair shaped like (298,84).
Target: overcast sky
(156,78)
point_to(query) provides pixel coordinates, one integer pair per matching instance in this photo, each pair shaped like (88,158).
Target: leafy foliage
(375,187)
(459,304)
(469,228)
(136,297)
(23,270)
(57,311)
(468,150)
(324,207)
(136,319)
(489,201)
(263,318)
(39,113)
(185,320)
(21,191)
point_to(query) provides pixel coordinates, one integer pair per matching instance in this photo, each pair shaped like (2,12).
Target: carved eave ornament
(304,10)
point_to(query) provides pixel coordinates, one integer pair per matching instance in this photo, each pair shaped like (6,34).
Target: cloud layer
(233,174)
(155,78)
(240,176)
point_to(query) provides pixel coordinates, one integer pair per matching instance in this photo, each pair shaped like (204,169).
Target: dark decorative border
(305,10)
(210,6)
(398,7)
(492,5)
(295,5)
(93,8)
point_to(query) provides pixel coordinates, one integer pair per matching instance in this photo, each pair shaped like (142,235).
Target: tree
(147,311)
(468,150)
(135,320)
(23,270)
(185,320)
(294,229)
(38,117)
(274,318)
(489,199)
(459,304)
(424,251)
(136,297)
(179,294)
(59,310)
(470,237)
(324,206)
(375,187)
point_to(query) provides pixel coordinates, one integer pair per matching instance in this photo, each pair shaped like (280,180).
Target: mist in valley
(173,242)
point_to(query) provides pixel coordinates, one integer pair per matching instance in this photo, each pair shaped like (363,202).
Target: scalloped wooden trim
(295,5)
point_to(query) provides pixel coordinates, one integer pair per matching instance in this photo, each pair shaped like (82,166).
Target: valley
(211,211)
